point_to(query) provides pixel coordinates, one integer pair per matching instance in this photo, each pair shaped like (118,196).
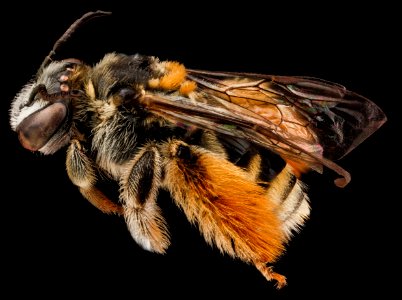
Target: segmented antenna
(86,17)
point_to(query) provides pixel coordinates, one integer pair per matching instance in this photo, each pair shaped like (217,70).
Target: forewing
(340,119)
(305,120)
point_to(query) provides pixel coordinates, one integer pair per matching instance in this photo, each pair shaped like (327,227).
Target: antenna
(73,27)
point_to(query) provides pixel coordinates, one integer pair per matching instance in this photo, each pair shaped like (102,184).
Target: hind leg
(230,209)
(269,274)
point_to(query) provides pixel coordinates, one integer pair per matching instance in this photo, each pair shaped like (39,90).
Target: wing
(308,121)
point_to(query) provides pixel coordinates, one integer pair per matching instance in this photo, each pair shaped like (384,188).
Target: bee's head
(41,112)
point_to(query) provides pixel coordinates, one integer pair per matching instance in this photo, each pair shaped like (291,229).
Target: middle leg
(139,191)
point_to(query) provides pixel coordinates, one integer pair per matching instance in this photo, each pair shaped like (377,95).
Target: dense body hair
(229,147)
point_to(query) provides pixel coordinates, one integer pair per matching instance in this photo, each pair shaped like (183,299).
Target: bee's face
(40,113)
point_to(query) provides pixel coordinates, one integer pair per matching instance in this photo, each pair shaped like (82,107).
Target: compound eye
(37,129)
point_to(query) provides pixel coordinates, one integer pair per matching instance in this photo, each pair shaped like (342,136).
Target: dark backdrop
(55,243)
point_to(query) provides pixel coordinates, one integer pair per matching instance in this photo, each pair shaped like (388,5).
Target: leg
(230,208)
(139,191)
(269,274)
(82,174)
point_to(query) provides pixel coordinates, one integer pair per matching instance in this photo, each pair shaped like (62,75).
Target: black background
(55,243)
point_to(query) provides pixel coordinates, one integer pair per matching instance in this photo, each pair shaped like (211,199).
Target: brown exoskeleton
(212,139)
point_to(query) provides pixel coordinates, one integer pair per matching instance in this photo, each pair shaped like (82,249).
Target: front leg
(81,172)
(139,190)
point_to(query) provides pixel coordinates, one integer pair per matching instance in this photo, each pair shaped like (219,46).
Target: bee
(230,148)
